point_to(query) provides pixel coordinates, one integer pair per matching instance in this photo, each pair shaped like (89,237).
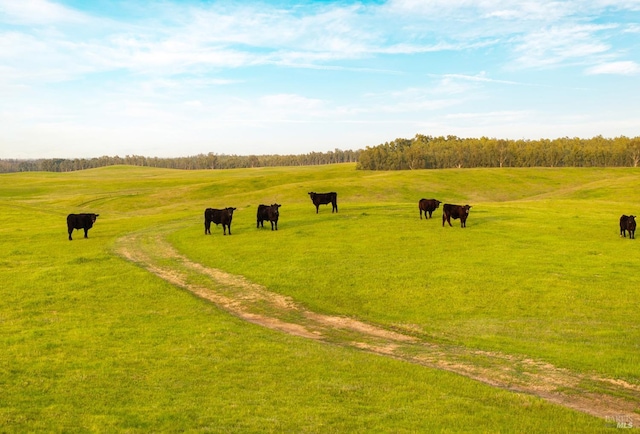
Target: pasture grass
(91,342)
(544,275)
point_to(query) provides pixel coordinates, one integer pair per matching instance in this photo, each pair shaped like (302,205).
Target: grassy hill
(92,342)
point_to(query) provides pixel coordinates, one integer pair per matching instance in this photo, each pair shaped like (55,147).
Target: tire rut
(606,398)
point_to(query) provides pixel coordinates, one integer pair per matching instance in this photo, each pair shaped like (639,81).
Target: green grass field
(92,342)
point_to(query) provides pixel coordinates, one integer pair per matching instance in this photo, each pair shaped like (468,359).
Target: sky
(172,78)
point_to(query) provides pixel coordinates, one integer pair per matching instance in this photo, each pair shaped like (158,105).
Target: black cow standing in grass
(428,205)
(81,221)
(218,216)
(268,212)
(324,199)
(628,223)
(456,212)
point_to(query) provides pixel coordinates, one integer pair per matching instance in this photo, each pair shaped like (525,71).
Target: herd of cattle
(225,216)
(449,211)
(271,213)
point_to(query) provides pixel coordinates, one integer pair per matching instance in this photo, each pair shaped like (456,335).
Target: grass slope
(94,343)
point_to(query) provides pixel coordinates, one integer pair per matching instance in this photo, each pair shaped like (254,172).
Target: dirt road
(608,398)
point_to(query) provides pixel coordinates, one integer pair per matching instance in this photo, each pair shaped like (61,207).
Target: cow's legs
(86,233)
(70,231)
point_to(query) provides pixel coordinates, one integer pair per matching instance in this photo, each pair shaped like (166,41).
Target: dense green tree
(427,152)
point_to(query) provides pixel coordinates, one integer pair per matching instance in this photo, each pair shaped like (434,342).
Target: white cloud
(290,103)
(211,37)
(491,117)
(193,104)
(31,12)
(482,77)
(632,28)
(560,44)
(545,10)
(615,68)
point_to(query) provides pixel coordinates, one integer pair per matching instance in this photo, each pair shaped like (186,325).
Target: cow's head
(466,208)
(311,194)
(231,210)
(94,217)
(274,207)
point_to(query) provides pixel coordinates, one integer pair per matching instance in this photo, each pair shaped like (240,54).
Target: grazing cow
(218,216)
(81,221)
(324,199)
(457,212)
(429,205)
(268,212)
(628,223)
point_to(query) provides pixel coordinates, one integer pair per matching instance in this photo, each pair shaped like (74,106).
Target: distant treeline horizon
(428,152)
(194,162)
(420,152)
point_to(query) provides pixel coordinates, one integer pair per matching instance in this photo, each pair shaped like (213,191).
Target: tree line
(428,152)
(420,152)
(195,162)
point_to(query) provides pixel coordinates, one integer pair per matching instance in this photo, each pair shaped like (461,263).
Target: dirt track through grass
(601,397)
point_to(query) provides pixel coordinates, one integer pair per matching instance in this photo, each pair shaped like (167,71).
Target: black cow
(429,205)
(268,212)
(218,216)
(456,212)
(81,221)
(628,223)
(324,199)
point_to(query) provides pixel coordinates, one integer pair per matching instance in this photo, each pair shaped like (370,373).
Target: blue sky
(175,78)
